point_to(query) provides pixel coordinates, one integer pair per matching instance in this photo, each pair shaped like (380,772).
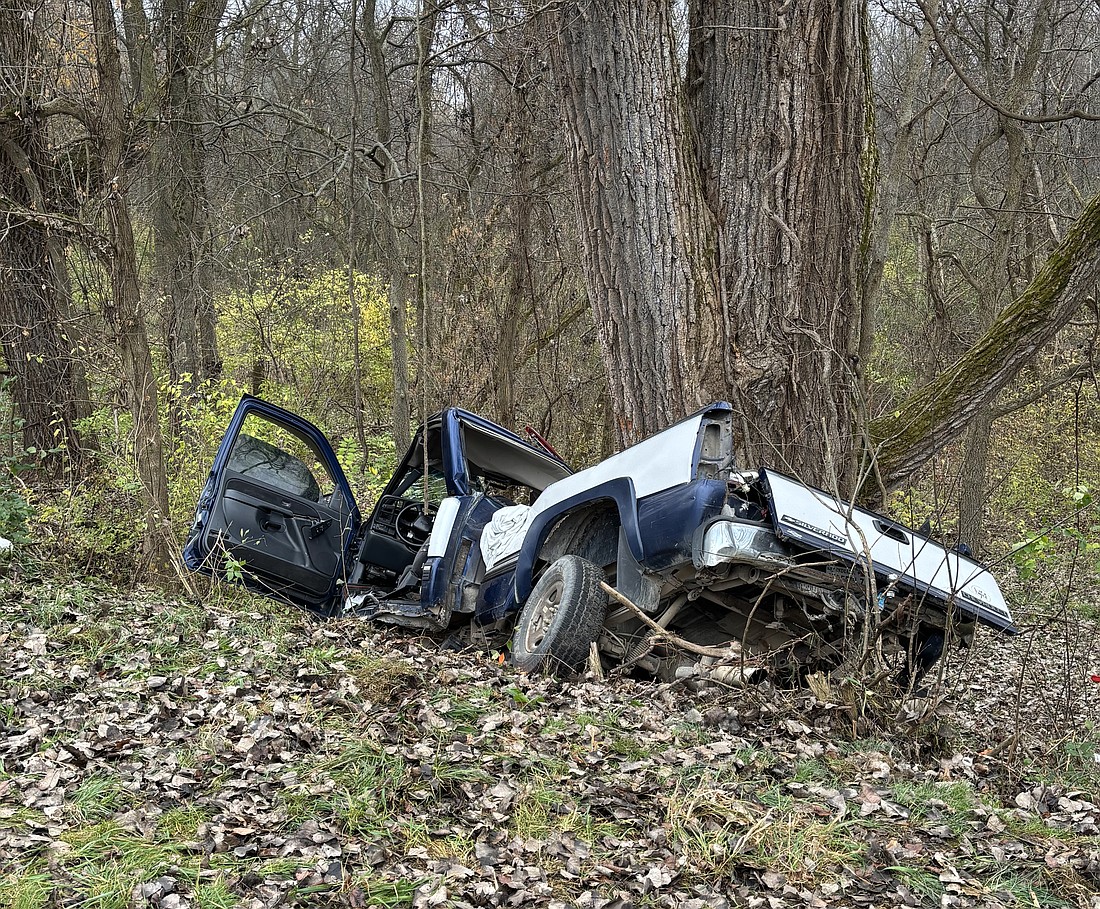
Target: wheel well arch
(591,532)
(592,519)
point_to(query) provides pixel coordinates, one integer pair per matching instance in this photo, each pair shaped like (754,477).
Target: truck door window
(273,455)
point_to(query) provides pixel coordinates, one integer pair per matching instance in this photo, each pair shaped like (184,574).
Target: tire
(561,618)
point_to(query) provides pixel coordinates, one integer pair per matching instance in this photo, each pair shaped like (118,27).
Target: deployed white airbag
(504,534)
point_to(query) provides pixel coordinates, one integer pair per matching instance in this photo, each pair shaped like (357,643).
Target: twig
(674,639)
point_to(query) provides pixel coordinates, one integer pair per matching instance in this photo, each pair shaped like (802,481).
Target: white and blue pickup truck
(490,538)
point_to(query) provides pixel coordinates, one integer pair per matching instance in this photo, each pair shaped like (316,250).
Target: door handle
(889,530)
(267,524)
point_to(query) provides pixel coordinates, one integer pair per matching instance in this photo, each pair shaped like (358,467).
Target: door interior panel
(281,538)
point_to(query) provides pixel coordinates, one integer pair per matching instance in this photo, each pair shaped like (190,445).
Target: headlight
(735,541)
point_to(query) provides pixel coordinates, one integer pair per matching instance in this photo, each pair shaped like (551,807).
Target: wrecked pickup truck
(485,536)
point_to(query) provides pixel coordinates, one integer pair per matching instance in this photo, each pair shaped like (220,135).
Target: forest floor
(232,753)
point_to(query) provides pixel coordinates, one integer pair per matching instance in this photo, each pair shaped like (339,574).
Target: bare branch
(1074,114)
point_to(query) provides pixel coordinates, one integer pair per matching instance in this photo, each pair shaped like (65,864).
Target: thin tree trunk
(391,247)
(353,240)
(123,308)
(519,295)
(428,323)
(1003,211)
(181,213)
(889,188)
(973,494)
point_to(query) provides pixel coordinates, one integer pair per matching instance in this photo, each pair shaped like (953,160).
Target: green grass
(816,771)
(214,896)
(99,797)
(27,890)
(959,800)
(708,827)
(22,818)
(629,747)
(418,835)
(922,883)
(542,807)
(379,893)
(100,864)
(799,845)
(361,786)
(180,823)
(773,796)
(1023,891)
(466,713)
(105,863)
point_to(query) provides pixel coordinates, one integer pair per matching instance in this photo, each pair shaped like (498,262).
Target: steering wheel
(414,524)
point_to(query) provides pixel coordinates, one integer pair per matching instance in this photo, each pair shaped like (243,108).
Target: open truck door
(277,511)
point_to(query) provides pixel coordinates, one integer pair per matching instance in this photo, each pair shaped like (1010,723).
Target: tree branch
(940,411)
(972,87)
(70,227)
(18,109)
(1072,374)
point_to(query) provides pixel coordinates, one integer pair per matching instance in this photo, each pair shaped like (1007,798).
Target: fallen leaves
(219,757)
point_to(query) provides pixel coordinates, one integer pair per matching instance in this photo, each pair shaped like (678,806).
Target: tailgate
(819,521)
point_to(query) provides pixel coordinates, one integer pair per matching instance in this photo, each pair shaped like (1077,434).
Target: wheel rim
(543,616)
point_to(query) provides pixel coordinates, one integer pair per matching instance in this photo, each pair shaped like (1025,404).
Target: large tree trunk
(725,260)
(648,236)
(428,323)
(779,94)
(123,308)
(707,277)
(37,333)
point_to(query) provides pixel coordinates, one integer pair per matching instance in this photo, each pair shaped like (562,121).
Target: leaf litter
(163,754)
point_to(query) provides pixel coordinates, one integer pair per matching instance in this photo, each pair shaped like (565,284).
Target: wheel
(561,618)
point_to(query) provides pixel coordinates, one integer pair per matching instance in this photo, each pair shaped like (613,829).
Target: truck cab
(278,513)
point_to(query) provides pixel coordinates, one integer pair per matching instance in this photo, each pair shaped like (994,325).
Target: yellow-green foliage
(291,340)
(193,424)
(300,331)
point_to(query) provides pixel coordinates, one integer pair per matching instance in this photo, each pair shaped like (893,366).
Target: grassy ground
(233,753)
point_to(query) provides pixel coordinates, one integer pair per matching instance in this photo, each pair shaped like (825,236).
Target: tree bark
(123,308)
(519,295)
(648,236)
(707,278)
(780,97)
(37,332)
(427,322)
(181,215)
(1003,204)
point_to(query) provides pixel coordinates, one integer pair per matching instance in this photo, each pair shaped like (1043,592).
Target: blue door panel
(263,510)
